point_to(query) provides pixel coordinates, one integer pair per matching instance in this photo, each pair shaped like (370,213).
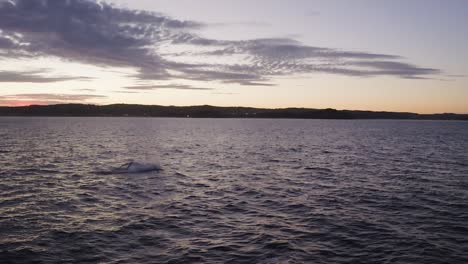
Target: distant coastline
(206,111)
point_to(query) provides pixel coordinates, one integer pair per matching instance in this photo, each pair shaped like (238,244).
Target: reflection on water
(233,191)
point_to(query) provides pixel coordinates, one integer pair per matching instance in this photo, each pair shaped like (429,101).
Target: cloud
(86,90)
(6,43)
(242,24)
(403,70)
(46,96)
(220,93)
(457,75)
(168,86)
(101,34)
(35,77)
(88,31)
(46,99)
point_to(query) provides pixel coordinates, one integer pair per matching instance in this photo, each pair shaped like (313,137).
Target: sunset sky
(394,55)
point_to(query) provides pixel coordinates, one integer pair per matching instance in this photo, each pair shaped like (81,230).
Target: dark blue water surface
(233,191)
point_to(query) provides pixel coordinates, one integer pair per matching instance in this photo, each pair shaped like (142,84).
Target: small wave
(274,160)
(32,171)
(318,169)
(20,256)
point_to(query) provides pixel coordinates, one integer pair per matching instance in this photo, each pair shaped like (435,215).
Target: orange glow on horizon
(19,103)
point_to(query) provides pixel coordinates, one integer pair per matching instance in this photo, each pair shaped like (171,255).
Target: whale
(134,167)
(137,167)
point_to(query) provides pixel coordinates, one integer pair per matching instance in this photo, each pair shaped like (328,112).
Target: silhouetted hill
(206,111)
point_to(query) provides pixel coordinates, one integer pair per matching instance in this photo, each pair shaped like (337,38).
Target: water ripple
(233,191)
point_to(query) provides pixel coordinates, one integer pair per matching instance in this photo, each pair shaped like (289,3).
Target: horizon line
(237,106)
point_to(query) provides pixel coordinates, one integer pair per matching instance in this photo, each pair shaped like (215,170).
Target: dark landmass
(207,111)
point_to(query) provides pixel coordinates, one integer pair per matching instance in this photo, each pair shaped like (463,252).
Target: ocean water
(232,191)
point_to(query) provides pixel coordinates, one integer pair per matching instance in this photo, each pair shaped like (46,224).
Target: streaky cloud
(98,33)
(36,77)
(47,96)
(404,70)
(166,86)
(46,99)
